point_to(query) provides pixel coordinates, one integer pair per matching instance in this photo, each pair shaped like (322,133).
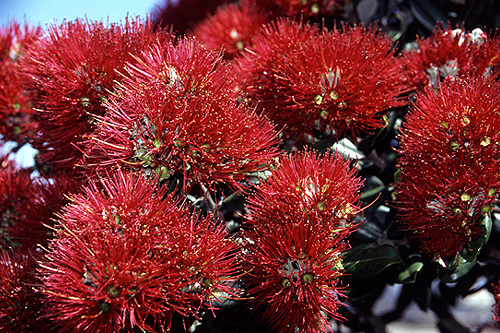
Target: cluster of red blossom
(143,120)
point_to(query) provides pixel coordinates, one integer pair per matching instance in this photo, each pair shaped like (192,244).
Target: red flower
(27,206)
(72,71)
(125,255)
(293,8)
(320,189)
(15,40)
(293,272)
(35,230)
(178,113)
(17,189)
(451,53)
(17,121)
(20,303)
(183,15)
(230,28)
(449,165)
(298,220)
(338,81)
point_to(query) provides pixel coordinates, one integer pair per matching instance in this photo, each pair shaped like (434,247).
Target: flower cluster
(177,112)
(16,191)
(183,182)
(17,121)
(126,255)
(449,161)
(451,53)
(305,79)
(183,15)
(295,8)
(71,71)
(231,27)
(20,302)
(27,206)
(298,220)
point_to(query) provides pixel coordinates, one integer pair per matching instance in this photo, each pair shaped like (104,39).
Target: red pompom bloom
(27,206)
(20,303)
(298,221)
(15,40)
(35,229)
(72,71)
(183,15)
(338,81)
(320,189)
(17,121)
(293,272)
(449,165)
(293,8)
(178,113)
(17,189)
(230,28)
(451,53)
(126,256)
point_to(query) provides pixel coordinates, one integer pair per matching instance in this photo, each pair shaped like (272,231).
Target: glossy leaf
(409,275)
(427,13)
(369,262)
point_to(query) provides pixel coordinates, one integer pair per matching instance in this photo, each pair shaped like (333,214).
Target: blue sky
(41,12)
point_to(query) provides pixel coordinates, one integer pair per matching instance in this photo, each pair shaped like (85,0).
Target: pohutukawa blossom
(71,71)
(293,273)
(16,112)
(321,189)
(230,28)
(294,8)
(16,39)
(17,189)
(178,113)
(451,53)
(298,220)
(303,79)
(20,302)
(17,121)
(27,205)
(183,15)
(449,164)
(125,256)
(34,231)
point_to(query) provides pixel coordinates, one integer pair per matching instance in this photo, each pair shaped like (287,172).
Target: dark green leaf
(233,202)
(427,13)
(368,232)
(369,262)
(411,265)
(462,267)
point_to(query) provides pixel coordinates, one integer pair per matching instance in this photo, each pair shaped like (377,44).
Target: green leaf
(412,264)
(369,262)
(462,268)
(233,202)
(368,232)
(427,13)
(410,274)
